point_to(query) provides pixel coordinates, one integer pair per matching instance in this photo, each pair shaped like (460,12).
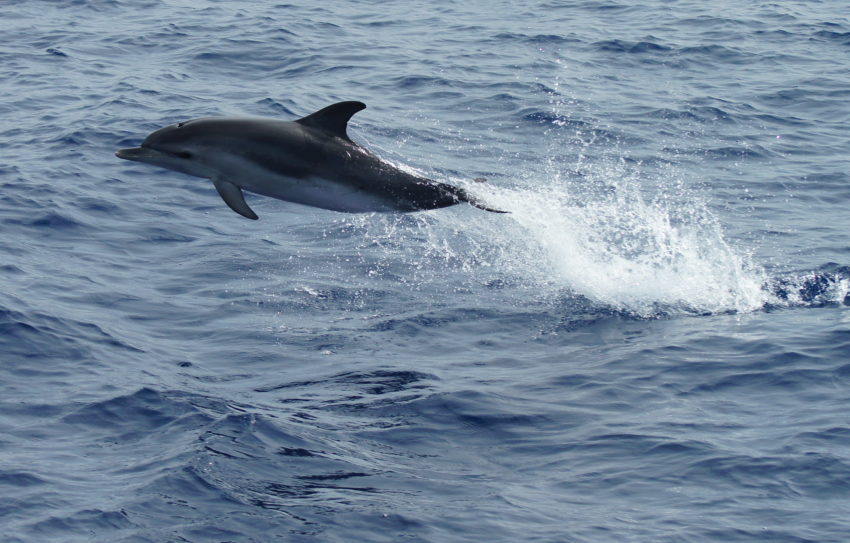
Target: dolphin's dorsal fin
(333,119)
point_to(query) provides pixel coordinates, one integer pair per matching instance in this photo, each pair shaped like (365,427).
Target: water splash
(605,238)
(600,235)
(637,240)
(600,230)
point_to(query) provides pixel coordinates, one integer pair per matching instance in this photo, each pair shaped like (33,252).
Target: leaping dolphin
(309,161)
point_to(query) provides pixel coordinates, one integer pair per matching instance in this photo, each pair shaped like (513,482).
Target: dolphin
(310,161)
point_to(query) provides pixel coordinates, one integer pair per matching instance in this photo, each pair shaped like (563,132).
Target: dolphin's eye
(184,154)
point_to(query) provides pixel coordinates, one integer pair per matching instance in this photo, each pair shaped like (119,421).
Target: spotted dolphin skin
(311,161)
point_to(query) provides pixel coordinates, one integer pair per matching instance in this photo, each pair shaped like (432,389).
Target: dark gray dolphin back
(333,119)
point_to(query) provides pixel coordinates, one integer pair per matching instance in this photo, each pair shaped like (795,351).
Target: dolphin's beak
(141,154)
(133,153)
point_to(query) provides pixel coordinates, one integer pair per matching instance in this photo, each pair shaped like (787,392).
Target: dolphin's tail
(475,202)
(449,195)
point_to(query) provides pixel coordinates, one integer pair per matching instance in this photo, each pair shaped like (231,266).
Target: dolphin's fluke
(464,196)
(475,203)
(479,205)
(233,197)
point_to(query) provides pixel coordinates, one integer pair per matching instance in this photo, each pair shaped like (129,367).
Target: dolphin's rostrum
(310,161)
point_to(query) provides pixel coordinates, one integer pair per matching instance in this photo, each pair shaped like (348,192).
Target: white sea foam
(603,236)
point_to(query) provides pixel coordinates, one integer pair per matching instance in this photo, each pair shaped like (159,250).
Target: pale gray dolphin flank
(310,161)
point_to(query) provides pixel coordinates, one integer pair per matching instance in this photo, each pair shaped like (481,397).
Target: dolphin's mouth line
(136,153)
(145,153)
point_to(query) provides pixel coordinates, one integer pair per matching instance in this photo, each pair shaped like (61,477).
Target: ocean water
(654,345)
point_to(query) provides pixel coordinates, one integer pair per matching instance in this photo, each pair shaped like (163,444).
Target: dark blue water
(653,346)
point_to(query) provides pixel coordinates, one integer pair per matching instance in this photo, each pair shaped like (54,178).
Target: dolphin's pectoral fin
(333,119)
(233,197)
